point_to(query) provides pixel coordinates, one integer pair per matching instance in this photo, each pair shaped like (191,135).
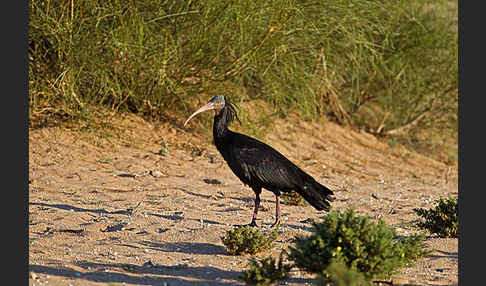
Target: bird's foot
(252,223)
(276,223)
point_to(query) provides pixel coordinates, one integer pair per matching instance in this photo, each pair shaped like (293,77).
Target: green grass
(387,66)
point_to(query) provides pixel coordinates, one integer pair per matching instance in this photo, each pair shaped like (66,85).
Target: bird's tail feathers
(314,193)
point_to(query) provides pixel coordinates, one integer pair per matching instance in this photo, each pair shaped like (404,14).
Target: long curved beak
(205,107)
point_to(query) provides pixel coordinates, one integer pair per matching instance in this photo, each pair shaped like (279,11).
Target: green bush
(370,248)
(266,271)
(442,220)
(248,240)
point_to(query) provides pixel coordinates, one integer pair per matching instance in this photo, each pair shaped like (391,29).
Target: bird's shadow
(186,247)
(151,275)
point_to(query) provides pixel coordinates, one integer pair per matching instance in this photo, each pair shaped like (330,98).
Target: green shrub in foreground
(266,271)
(358,242)
(442,220)
(248,240)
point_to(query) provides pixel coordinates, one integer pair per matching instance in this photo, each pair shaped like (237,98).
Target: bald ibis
(258,165)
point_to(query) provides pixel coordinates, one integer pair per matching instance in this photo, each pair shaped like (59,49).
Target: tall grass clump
(387,66)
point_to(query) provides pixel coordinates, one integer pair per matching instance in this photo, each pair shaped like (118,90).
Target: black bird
(258,165)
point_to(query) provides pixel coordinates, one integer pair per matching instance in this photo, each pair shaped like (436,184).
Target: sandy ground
(149,207)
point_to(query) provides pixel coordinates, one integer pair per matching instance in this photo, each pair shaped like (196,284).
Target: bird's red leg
(277,211)
(255,211)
